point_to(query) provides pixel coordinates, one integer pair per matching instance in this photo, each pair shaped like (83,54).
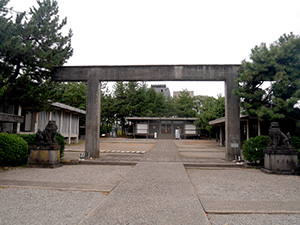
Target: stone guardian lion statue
(48,135)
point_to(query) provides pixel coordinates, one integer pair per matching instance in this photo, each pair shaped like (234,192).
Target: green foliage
(278,63)
(61,141)
(13,150)
(31,44)
(103,129)
(209,108)
(184,105)
(29,138)
(253,148)
(296,142)
(72,94)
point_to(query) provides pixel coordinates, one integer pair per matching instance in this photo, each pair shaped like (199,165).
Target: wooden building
(250,127)
(66,118)
(162,127)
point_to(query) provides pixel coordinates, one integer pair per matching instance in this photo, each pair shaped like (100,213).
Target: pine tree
(31,44)
(278,63)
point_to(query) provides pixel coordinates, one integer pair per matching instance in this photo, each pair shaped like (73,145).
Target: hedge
(13,150)
(61,141)
(296,144)
(254,147)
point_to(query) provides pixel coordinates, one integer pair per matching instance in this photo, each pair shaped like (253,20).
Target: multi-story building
(161,88)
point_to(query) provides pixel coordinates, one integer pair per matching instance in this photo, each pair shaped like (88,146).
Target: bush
(29,138)
(61,141)
(296,142)
(13,150)
(254,147)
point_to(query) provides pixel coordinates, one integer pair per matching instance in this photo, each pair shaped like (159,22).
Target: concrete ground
(173,182)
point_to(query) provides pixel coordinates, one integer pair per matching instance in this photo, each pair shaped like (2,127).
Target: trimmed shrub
(254,147)
(13,150)
(29,138)
(296,144)
(61,141)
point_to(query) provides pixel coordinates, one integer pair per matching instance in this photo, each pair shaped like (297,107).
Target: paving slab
(156,191)
(257,219)
(77,174)
(249,207)
(39,207)
(62,186)
(62,195)
(153,193)
(246,191)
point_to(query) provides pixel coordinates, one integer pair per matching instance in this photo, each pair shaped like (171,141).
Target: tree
(120,103)
(208,108)
(155,104)
(184,105)
(278,63)
(73,94)
(31,45)
(108,112)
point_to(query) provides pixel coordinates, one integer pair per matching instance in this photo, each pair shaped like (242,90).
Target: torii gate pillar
(232,121)
(93,104)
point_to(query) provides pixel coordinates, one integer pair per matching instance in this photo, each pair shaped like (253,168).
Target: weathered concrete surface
(93,104)
(257,219)
(20,206)
(146,73)
(11,118)
(78,178)
(232,123)
(155,192)
(64,195)
(235,191)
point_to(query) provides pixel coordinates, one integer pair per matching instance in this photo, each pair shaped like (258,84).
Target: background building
(177,93)
(161,88)
(162,127)
(66,118)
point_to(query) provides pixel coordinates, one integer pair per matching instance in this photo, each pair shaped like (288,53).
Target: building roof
(222,120)
(163,118)
(4,117)
(67,107)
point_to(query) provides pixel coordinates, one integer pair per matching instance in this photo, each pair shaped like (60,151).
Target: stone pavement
(175,182)
(155,192)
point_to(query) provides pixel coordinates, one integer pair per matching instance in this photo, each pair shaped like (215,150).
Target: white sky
(138,32)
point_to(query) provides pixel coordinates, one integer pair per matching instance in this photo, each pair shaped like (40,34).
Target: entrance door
(166,127)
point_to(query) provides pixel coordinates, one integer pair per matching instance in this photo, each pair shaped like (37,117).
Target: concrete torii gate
(95,74)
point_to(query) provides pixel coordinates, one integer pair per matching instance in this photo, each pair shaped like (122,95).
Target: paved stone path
(157,191)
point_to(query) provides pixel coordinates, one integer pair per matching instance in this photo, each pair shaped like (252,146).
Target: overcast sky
(138,32)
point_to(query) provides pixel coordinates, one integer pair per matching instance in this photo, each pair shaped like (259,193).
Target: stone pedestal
(281,160)
(44,155)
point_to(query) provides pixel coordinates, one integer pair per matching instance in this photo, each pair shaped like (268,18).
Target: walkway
(175,182)
(201,153)
(155,192)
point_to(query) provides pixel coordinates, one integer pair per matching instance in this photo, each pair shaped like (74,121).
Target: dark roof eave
(162,118)
(67,107)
